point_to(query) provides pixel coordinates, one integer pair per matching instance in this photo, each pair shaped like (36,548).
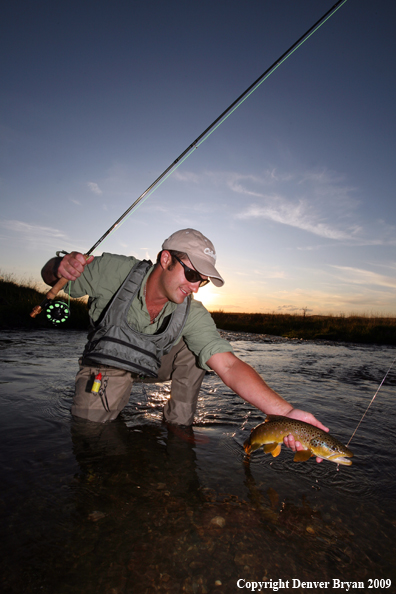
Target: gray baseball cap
(200,251)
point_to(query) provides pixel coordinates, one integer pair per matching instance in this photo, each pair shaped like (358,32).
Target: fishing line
(194,145)
(217,122)
(372,400)
(139,202)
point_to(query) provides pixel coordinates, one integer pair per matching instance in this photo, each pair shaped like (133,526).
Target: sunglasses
(192,276)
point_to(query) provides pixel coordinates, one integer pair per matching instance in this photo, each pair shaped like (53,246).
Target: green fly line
(217,122)
(58,313)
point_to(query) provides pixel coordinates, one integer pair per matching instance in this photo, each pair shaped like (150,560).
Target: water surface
(132,506)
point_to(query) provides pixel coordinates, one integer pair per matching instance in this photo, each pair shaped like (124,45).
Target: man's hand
(301,415)
(69,267)
(72,265)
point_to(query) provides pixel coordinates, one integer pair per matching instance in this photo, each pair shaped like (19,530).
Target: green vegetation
(354,328)
(17,301)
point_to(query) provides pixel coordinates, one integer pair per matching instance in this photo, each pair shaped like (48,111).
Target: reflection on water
(135,506)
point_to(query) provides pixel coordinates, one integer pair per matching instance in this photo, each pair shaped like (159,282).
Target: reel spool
(57,312)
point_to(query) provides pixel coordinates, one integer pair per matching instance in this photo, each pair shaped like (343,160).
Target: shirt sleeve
(201,335)
(101,279)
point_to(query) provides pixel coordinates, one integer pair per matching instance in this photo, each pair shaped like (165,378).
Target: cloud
(238,182)
(293,309)
(94,188)
(31,230)
(299,215)
(365,277)
(318,202)
(185,176)
(36,236)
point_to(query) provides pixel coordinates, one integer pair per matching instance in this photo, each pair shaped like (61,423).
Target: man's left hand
(301,415)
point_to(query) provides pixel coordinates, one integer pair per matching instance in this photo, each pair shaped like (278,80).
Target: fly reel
(57,312)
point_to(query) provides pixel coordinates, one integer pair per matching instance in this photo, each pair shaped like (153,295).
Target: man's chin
(181,296)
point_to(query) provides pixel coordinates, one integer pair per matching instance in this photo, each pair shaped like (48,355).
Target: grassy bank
(17,301)
(360,329)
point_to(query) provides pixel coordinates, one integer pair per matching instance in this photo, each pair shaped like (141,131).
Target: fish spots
(314,441)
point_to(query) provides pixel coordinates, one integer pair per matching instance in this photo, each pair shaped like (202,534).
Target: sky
(296,189)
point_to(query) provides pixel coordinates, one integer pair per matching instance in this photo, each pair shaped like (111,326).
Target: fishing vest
(114,342)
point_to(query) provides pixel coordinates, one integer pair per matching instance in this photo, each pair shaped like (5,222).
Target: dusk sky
(296,189)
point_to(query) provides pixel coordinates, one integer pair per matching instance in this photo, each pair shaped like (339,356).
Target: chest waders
(116,343)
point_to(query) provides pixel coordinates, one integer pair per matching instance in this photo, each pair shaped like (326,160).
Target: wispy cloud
(94,188)
(31,230)
(318,202)
(365,277)
(35,236)
(292,309)
(300,215)
(185,176)
(239,183)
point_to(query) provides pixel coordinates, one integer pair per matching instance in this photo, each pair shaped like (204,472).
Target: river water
(132,506)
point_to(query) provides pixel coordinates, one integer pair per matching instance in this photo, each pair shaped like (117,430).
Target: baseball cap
(200,251)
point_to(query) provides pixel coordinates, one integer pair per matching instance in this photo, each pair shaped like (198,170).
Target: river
(133,506)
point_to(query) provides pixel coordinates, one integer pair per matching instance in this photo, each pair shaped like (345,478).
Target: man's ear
(166,259)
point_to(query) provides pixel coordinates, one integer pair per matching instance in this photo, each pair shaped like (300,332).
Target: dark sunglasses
(192,276)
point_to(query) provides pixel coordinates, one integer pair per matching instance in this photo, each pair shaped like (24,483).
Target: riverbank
(358,329)
(17,301)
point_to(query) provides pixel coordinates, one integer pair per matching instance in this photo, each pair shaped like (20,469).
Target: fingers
(290,442)
(72,265)
(317,423)
(301,415)
(295,446)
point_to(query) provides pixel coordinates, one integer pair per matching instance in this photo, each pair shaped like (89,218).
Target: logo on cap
(210,253)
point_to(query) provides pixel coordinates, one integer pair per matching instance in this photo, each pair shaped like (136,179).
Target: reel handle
(52,293)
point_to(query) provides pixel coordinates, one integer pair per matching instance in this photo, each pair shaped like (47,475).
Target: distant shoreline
(357,329)
(17,301)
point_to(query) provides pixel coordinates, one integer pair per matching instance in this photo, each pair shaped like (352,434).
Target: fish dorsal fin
(302,455)
(274,448)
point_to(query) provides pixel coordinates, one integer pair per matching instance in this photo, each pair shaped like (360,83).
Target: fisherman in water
(146,326)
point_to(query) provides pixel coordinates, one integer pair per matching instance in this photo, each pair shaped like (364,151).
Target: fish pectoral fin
(273,448)
(302,455)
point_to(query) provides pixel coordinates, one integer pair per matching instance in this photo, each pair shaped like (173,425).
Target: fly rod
(199,140)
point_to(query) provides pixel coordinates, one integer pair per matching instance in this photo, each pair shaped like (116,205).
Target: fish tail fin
(247,446)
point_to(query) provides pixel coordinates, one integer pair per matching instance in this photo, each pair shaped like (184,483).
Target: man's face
(175,285)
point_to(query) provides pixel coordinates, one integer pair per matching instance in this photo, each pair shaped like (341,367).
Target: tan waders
(179,365)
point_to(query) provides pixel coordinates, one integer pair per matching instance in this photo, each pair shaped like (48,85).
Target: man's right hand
(72,265)
(69,267)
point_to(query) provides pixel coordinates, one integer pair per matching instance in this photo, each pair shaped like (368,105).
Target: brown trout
(315,442)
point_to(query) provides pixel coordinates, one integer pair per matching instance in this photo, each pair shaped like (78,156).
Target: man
(146,325)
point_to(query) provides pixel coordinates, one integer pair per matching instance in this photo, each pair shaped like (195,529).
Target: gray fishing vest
(114,342)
